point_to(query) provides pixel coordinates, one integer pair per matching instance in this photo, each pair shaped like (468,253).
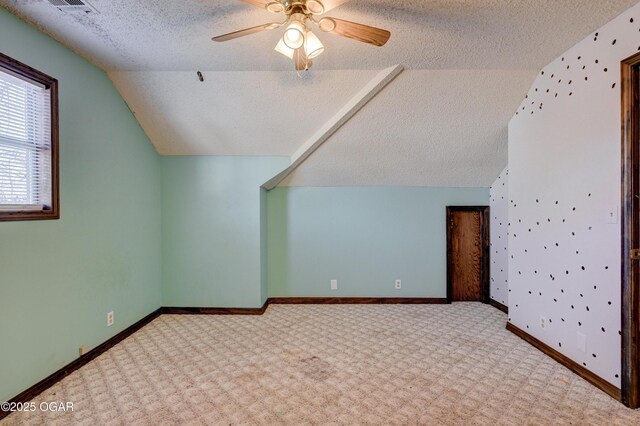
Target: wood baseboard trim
(356,300)
(590,377)
(46,383)
(496,304)
(49,381)
(214,311)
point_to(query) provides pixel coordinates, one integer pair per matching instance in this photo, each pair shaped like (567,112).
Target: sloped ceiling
(456,143)
(441,123)
(235,112)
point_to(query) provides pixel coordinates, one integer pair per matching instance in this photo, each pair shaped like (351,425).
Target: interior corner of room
(229,186)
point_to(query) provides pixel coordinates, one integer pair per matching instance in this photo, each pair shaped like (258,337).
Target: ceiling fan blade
(247,31)
(360,32)
(332,4)
(264,4)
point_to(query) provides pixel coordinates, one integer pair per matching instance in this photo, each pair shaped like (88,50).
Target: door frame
(485,266)
(630,216)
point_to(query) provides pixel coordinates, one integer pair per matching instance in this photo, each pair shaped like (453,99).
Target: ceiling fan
(299,43)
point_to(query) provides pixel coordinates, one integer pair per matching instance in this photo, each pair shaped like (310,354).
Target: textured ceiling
(460,140)
(235,113)
(441,123)
(426,34)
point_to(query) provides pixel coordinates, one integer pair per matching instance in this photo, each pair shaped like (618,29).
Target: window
(28,143)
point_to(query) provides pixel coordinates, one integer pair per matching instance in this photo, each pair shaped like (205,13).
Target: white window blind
(25,144)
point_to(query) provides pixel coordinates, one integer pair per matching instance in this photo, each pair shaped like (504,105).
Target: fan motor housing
(300,6)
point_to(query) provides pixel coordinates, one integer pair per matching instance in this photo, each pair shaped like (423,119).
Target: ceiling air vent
(73,6)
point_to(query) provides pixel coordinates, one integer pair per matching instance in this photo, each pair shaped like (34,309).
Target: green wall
(365,237)
(138,231)
(58,279)
(213,247)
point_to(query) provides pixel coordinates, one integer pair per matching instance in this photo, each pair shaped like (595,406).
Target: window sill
(18,213)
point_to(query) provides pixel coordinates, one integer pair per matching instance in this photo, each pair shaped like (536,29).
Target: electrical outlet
(110,319)
(543,322)
(83,350)
(398,284)
(334,284)
(581,342)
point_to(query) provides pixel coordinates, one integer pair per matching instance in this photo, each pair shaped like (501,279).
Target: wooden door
(467,254)
(630,262)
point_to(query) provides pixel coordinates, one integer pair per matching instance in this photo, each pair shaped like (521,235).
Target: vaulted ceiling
(442,122)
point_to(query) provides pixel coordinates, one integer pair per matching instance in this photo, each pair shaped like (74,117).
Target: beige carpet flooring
(334,364)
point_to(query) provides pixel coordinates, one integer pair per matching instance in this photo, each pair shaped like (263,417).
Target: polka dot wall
(564,180)
(499,198)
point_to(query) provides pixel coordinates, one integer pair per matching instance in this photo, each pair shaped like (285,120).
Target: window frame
(23,70)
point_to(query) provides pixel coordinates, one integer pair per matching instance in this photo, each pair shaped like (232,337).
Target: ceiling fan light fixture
(298,42)
(294,35)
(315,7)
(275,7)
(313,47)
(282,48)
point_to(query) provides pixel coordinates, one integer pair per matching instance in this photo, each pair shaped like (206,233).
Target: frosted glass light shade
(294,35)
(282,47)
(313,47)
